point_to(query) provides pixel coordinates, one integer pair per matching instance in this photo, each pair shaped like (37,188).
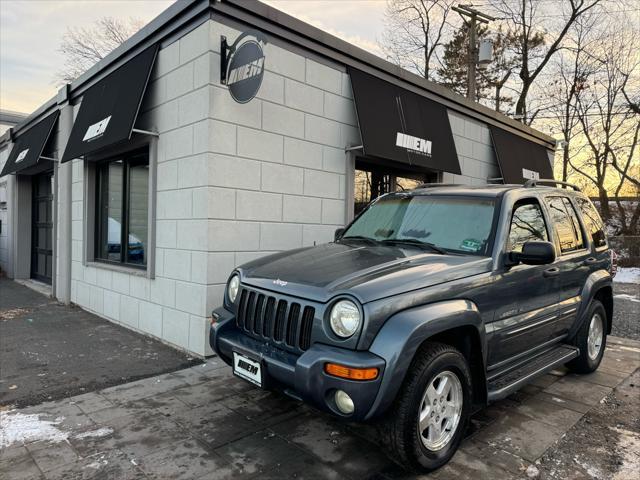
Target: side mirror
(534,253)
(337,234)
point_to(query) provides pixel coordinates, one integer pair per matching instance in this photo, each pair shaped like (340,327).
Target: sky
(32,30)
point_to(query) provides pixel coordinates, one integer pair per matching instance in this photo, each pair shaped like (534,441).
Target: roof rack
(535,183)
(432,185)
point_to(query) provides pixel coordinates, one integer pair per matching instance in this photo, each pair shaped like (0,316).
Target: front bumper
(300,376)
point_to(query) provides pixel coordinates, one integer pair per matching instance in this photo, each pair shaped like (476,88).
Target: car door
(573,261)
(526,295)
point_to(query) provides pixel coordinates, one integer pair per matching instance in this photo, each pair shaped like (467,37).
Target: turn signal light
(351,373)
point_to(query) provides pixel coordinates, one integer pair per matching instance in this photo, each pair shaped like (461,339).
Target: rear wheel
(591,339)
(430,415)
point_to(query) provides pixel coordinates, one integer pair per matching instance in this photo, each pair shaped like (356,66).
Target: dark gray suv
(429,305)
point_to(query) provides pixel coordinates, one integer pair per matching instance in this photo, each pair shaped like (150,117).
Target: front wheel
(430,415)
(591,339)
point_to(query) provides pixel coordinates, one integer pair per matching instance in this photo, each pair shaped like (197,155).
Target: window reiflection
(566,224)
(592,222)
(527,225)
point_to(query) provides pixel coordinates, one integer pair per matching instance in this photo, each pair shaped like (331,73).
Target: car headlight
(232,288)
(345,318)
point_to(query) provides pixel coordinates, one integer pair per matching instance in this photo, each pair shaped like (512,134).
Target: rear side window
(566,224)
(527,224)
(592,222)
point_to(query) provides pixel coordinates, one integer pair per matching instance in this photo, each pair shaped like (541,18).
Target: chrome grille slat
(283,322)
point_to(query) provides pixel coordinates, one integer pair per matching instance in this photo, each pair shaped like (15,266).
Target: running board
(506,384)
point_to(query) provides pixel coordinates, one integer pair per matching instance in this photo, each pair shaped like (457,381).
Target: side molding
(401,336)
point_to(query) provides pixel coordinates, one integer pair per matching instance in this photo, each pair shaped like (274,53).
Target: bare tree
(414,32)
(83,47)
(536,46)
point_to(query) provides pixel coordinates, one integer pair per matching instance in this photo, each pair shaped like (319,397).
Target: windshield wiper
(362,238)
(414,242)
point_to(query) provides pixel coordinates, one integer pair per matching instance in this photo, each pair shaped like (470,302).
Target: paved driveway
(201,422)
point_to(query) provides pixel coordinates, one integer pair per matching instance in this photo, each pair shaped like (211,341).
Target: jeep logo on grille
(280,283)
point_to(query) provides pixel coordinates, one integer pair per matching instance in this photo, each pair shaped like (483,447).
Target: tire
(587,361)
(432,364)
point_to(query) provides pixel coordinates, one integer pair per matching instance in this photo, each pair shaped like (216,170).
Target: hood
(368,272)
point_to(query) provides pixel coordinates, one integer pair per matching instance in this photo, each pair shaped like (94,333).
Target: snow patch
(626,296)
(101,432)
(627,275)
(21,428)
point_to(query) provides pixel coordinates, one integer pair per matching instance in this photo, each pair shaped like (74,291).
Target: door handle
(551,272)
(590,261)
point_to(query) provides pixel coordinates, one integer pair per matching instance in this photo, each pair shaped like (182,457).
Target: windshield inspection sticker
(471,245)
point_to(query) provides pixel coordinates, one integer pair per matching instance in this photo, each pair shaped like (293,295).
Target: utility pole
(475,17)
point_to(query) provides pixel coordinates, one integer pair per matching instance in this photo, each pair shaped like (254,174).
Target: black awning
(520,159)
(399,125)
(110,107)
(28,148)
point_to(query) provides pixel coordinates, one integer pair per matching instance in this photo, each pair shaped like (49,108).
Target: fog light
(344,402)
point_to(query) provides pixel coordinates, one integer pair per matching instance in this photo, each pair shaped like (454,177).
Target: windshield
(453,224)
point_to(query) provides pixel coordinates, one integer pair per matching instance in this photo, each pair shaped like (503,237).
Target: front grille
(284,322)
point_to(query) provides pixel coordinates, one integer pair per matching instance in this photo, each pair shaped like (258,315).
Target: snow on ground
(627,275)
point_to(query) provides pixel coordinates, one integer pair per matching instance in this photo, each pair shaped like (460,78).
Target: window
(462,225)
(122,202)
(566,224)
(527,225)
(592,222)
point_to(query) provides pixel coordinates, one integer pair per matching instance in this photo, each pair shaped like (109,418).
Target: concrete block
(214,296)
(111,305)
(192,171)
(77,270)
(272,88)
(223,107)
(177,264)
(301,209)
(317,234)
(120,282)
(229,236)
(473,129)
(280,236)
(76,210)
(258,206)
(176,143)
(166,233)
(483,152)
(129,311)
(96,303)
(323,76)
(162,291)
(190,297)
(349,136)
(175,327)
(168,59)
(211,202)
(139,287)
(457,123)
(159,262)
(192,235)
(104,278)
(485,136)
(155,95)
(464,146)
(346,90)
(164,117)
(167,175)
(179,81)
(302,153)
(333,212)
(90,275)
(198,335)
(219,266)
(77,192)
(341,109)
(321,184)
(334,159)
(260,145)
(282,178)
(193,106)
(322,130)
(214,136)
(77,230)
(194,43)
(150,318)
(174,204)
(202,70)
(284,120)
(303,97)
(284,62)
(234,172)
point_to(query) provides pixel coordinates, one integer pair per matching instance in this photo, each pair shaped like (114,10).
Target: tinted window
(527,224)
(592,222)
(457,224)
(566,224)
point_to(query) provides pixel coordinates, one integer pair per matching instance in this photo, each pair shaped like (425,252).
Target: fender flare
(595,282)
(402,334)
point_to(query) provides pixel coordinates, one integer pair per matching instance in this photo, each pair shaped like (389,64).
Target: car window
(566,224)
(527,224)
(457,224)
(592,222)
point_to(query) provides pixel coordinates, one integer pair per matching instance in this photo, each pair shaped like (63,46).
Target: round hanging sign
(245,71)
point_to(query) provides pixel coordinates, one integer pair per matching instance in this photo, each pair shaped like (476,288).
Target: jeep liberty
(429,305)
